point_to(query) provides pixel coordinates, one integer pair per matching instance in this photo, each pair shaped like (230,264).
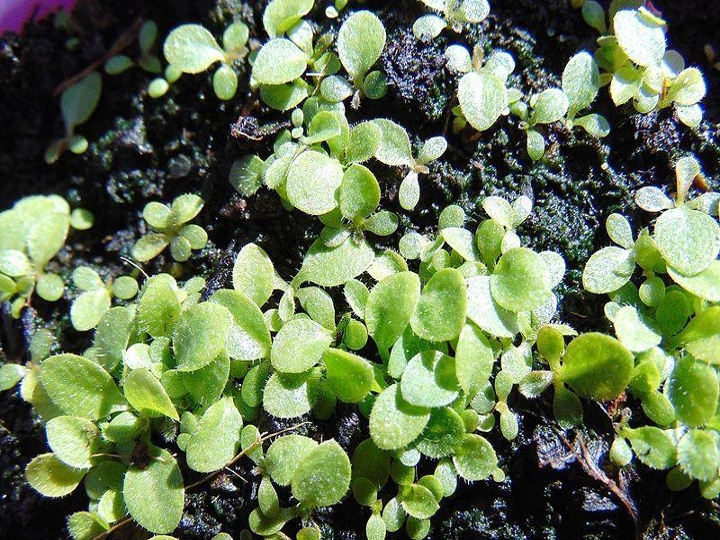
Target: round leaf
(640,37)
(279,61)
(394,423)
(71,439)
(429,380)
(200,335)
(349,376)
(249,337)
(597,366)
(440,312)
(607,270)
(323,476)
(689,240)
(155,495)
(80,387)
(215,442)
(360,42)
(521,281)
(191,48)
(312,180)
(483,97)
(51,477)
(299,345)
(390,306)
(475,459)
(284,455)
(693,390)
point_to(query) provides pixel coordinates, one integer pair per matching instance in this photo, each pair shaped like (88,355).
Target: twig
(590,468)
(246,451)
(121,43)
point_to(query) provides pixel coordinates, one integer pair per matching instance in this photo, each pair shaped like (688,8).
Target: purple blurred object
(15,13)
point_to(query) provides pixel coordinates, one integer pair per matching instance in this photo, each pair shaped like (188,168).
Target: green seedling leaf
(653,446)
(432,150)
(284,456)
(235,37)
(49,287)
(289,398)
(409,191)
(78,102)
(428,27)
(85,526)
(360,42)
(147,395)
(330,267)
(640,37)
(474,359)
(418,501)
(535,145)
(191,48)
(205,385)
(383,224)
(246,175)
(249,337)
(596,125)
(253,274)
(688,88)
(284,97)
(158,307)
(336,88)
(597,366)
(279,61)
(47,237)
(475,459)
(551,106)
(702,335)
(312,182)
(325,125)
(440,312)
(635,333)
(390,306)
(364,142)
(619,230)
(394,149)
(359,193)
(299,345)
(267,526)
(693,390)
(322,476)
(653,199)
(113,335)
(393,515)
(150,246)
(483,310)
(88,309)
(217,438)
(349,376)
(80,387)
(581,81)
(10,375)
(607,270)
(267,497)
(225,82)
(521,281)
(155,495)
(281,15)
(689,240)
(51,477)
(319,305)
(429,380)
(371,463)
(200,335)
(71,439)
(483,97)
(698,455)
(394,423)
(443,433)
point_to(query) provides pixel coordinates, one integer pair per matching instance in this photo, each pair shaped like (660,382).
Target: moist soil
(559,484)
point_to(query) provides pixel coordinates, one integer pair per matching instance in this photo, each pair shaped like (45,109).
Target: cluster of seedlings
(428,340)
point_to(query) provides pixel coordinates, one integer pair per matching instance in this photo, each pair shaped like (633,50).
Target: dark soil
(143,149)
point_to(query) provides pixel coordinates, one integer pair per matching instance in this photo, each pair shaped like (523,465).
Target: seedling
(191,48)
(170,228)
(147,59)
(456,14)
(32,232)
(77,104)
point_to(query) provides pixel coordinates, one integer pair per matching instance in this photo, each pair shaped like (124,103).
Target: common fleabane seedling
(170,228)
(32,232)
(456,14)
(77,104)
(191,48)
